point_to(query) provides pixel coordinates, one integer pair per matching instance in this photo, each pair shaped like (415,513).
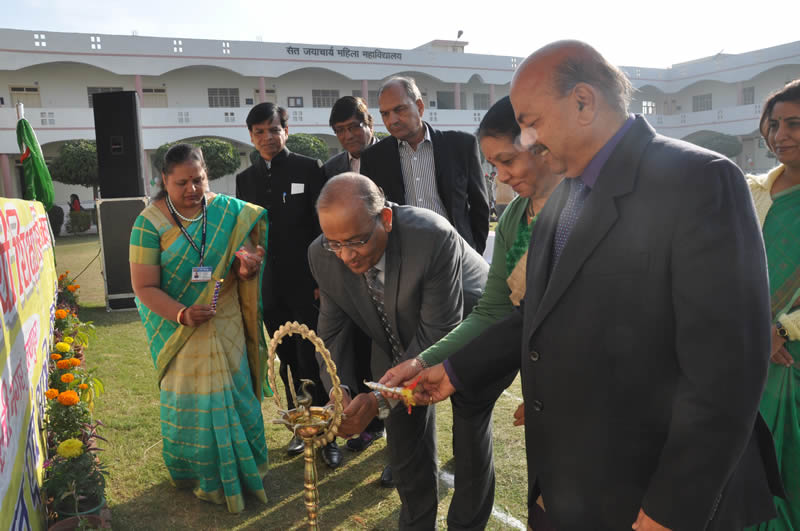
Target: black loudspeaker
(119,146)
(115,219)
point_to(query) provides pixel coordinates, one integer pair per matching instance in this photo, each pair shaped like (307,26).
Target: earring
(580,106)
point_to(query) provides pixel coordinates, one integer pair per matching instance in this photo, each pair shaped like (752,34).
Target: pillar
(262,90)
(5,167)
(365,91)
(458,96)
(137,82)
(739,95)
(491,95)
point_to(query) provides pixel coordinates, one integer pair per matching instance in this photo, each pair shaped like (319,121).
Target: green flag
(38,183)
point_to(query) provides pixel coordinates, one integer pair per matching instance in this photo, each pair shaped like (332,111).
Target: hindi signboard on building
(28,285)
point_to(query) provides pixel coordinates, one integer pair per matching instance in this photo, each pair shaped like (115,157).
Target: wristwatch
(781,330)
(383,406)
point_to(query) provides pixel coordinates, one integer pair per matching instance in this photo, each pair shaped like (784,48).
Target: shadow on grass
(100,317)
(344,494)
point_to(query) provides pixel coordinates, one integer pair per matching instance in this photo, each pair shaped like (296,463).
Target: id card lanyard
(202,249)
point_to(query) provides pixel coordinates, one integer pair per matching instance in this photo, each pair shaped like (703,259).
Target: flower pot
(91,511)
(68,524)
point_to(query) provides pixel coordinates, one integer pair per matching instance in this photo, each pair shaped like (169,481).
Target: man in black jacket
(424,167)
(645,332)
(287,185)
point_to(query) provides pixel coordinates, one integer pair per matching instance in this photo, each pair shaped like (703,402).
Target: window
(748,95)
(47,118)
(40,39)
(294,101)
(177,46)
(269,96)
(446,99)
(372,98)
(480,102)
(648,107)
(324,98)
(701,103)
(91,91)
(154,97)
(28,96)
(94,42)
(223,97)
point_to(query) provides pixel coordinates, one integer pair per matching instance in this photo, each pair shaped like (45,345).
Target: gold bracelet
(180,314)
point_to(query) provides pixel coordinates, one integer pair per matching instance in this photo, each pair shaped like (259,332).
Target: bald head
(352,190)
(566,63)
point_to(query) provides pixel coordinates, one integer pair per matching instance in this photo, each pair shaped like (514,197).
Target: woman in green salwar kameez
(777,199)
(207,343)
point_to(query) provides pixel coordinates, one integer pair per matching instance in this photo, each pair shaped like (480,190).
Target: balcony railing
(167,124)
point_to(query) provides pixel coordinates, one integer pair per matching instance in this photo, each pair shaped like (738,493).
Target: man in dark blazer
(353,126)
(645,333)
(425,276)
(287,185)
(421,166)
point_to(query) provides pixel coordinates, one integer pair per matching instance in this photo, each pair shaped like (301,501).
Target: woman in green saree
(205,336)
(534,181)
(777,199)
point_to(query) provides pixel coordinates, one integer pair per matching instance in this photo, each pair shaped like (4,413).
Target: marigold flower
(68,340)
(61,314)
(68,398)
(70,448)
(77,286)
(55,356)
(67,378)
(62,347)
(83,386)
(51,393)
(71,288)
(74,362)
(63,364)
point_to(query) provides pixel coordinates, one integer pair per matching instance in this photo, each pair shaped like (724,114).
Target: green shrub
(79,221)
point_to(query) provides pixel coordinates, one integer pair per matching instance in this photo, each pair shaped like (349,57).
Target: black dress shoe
(296,446)
(332,455)
(386,477)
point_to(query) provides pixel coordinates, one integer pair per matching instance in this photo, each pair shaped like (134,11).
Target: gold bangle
(180,315)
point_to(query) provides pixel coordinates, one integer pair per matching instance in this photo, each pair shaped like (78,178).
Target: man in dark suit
(352,124)
(422,166)
(645,332)
(404,276)
(287,185)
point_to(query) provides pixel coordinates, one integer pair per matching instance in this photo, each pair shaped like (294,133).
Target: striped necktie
(375,287)
(569,216)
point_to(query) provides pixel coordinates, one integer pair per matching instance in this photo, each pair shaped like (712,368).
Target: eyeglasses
(352,128)
(335,247)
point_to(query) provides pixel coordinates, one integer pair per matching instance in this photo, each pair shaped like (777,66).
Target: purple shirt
(589,178)
(592,170)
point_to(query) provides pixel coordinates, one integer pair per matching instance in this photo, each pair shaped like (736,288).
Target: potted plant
(75,480)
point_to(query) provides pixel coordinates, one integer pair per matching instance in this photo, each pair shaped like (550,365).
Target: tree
(308,145)
(77,164)
(220,156)
(727,145)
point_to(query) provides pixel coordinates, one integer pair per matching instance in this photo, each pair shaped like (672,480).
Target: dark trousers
(294,351)
(473,496)
(411,440)
(362,348)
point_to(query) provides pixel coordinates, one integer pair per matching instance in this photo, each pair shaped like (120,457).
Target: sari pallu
(210,376)
(780,404)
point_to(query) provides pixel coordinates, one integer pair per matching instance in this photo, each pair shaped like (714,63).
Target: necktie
(375,287)
(569,216)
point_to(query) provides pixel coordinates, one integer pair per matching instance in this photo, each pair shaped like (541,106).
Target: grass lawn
(139,491)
